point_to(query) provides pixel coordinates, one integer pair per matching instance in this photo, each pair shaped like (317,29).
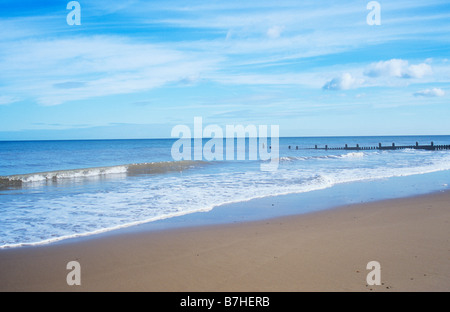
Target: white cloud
(394,67)
(55,70)
(435,92)
(345,82)
(418,71)
(398,68)
(275,32)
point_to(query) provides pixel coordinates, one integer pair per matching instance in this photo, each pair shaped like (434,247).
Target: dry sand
(321,251)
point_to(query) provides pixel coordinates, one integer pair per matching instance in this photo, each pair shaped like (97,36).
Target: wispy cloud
(6,99)
(97,66)
(213,57)
(241,38)
(69,85)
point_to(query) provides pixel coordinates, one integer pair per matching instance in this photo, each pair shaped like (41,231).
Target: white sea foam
(323,157)
(353,155)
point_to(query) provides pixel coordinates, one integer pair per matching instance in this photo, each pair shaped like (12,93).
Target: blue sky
(135,69)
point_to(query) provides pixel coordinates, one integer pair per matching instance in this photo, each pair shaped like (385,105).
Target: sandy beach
(320,251)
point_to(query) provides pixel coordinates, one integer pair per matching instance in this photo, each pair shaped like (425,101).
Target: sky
(136,69)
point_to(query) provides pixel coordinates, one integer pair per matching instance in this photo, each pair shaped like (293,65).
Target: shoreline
(276,206)
(231,210)
(325,250)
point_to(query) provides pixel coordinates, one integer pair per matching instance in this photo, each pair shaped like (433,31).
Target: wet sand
(320,251)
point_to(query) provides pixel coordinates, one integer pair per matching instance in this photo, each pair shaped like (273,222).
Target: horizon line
(234,137)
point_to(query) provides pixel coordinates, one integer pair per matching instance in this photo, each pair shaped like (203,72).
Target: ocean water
(53,190)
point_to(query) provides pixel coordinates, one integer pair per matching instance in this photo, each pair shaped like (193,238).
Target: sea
(56,190)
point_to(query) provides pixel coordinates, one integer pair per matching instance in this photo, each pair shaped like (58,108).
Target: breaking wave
(129,170)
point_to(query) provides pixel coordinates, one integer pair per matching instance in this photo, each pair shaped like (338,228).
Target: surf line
(259,144)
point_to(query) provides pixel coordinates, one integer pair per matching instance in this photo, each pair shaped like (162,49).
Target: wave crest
(130,169)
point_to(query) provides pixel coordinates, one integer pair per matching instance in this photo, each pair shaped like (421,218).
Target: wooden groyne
(431,147)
